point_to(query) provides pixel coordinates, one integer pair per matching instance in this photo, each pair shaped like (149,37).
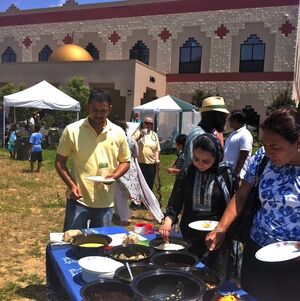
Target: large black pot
(167,285)
(211,280)
(80,251)
(156,242)
(136,269)
(123,253)
(104,289)
(175,260)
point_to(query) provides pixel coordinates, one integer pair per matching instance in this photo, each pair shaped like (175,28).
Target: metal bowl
(80,251)
(167,285)
(136,269)
(156,242)
(103,289)
(131,253)
(174,260)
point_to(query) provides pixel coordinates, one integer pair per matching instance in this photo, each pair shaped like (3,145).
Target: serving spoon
(129,270)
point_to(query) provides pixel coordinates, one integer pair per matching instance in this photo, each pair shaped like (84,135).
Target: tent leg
(3,124)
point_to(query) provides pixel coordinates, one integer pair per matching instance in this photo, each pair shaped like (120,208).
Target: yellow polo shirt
(148,146)
(93,155)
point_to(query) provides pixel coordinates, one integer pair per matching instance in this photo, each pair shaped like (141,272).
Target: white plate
(279,251)
(101,179)
(204,225)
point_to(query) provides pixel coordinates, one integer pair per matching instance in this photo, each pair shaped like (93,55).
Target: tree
(10,88)
(284,100)
(80,91)
(199,95)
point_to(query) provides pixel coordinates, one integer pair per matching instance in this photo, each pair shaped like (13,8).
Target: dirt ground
(32,206)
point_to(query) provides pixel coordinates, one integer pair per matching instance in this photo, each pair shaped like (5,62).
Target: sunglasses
(148,122)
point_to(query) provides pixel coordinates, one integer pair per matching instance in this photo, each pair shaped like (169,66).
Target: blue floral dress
(278,219)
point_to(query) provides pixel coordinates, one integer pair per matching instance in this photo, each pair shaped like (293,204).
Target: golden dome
(70,53)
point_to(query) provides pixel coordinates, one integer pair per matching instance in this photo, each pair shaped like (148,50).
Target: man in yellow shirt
(97,147)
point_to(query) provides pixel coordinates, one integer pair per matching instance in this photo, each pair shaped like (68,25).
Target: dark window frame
(93,51)
(140,52)
(45,53)
(252,64)
(190,65)
(9,55)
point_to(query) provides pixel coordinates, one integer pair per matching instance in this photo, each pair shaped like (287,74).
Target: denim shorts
(77,216)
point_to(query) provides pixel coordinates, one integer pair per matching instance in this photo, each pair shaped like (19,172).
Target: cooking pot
(211,280)
(174,260)
(131,253)
(80,245)
(136,269)
(167,285)
(104,289)
(159,241)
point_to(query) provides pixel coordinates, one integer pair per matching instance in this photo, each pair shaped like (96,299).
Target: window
(140,52)
(252,56)
(93,51)
(9,56)
(190,57)
(45,53)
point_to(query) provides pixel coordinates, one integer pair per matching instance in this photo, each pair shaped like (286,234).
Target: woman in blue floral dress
(278,219)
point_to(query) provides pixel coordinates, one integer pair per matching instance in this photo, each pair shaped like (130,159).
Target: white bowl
(96,267)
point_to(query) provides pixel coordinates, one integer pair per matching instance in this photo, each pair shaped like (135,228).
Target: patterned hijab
(204,182)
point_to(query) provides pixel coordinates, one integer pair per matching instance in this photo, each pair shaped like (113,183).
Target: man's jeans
(77,215)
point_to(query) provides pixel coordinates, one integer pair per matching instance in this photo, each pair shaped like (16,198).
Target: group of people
(34,138)
(213,180)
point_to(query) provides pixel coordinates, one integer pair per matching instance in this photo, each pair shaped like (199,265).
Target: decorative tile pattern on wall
(27,42)
(114,37)
(287,28)
(165,34)
(222,31)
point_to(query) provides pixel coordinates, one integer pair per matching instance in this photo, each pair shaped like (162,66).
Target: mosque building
(243,50)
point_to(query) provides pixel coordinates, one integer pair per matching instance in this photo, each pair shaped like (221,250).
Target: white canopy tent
(41,96)
(172,116)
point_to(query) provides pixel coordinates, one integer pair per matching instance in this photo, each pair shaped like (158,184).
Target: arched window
(252,57)
(93,51)
(9,56)
(45,53)
(190,57)
(140,52)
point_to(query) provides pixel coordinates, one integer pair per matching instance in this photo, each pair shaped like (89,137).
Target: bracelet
(219,229)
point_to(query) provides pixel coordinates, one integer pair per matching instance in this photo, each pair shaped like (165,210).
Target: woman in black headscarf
(203,194)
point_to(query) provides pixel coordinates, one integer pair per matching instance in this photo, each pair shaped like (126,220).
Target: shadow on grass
(35,292)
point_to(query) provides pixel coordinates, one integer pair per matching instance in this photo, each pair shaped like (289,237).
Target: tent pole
(77,115)
(180,122)
(3,123)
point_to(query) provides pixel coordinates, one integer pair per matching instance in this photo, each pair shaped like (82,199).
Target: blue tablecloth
(64,272)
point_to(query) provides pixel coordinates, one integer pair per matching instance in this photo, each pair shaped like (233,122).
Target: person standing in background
(36,152)
(149,149)
(238,145)
(213,119)
(177,167)
(12,140)
(97,147)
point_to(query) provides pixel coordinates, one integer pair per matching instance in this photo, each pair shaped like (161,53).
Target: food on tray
(169,246)
(206,225)
(91,245)
(70,234)
(229,297)
(122,256)
(131,239)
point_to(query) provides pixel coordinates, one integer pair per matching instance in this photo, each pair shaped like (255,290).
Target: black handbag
(239,230)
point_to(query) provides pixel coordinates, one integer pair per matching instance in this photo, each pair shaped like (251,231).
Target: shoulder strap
(260,169)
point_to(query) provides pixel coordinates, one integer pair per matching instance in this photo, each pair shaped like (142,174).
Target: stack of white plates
(96,267)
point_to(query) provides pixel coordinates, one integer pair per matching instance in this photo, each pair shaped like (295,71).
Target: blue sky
(31,4)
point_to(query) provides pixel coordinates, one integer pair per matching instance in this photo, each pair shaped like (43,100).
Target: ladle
(129,270)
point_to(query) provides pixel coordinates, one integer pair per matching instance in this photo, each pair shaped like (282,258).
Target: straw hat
(214,103)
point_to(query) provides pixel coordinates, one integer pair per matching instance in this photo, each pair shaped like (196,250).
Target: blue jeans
(77,215)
